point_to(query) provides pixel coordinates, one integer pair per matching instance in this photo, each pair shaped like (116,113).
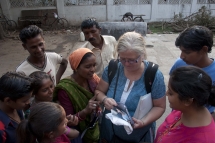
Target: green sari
(79,97)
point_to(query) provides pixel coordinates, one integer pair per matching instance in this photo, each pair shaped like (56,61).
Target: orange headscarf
(76,57)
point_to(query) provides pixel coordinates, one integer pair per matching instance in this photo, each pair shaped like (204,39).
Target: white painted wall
(76,14)
(116,11)
(165,11)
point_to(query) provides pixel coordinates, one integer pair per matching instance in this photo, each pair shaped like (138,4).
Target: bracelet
(103,101)
(142,122)
(79,118)
(67,130)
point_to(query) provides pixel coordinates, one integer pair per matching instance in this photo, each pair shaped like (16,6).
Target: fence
(206,1)
(31,3)
(174,1)
(44,3)
(84,2)
(130,2)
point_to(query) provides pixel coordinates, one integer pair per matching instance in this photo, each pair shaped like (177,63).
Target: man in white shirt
(102,46)
(39,60)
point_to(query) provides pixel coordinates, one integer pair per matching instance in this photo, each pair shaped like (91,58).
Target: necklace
(12,117)
(15,119)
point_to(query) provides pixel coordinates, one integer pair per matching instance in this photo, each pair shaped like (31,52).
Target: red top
(62,139)
(167,133)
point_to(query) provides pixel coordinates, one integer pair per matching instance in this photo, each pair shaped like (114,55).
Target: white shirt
(104,55)
(51,61)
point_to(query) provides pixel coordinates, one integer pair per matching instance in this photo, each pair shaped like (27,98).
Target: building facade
(75,11)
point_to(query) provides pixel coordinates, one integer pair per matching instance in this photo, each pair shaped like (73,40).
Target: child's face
(21,103)
(35,46)
(63,125)
(45,93)
(191,57)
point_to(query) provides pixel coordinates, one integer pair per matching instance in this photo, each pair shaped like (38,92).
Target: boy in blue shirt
(15,92)
(195,43)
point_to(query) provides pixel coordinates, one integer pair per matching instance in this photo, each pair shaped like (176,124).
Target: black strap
(150,75)
(112,68)
(117,77)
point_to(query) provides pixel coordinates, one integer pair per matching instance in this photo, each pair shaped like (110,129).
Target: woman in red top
(189,89)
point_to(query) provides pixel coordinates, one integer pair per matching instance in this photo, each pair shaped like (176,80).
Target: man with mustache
(102,46)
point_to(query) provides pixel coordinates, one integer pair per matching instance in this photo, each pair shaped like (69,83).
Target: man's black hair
(30,32)
(194,38)
(89,23)
(15,86)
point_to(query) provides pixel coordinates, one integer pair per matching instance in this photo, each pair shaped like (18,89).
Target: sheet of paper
(144,106)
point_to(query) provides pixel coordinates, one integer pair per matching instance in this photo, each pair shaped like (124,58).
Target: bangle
(67,130)
(103,101)
(142,121)
(79,118)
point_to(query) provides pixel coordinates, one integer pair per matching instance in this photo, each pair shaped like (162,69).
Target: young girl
(46,122)
(43,92)
(189,90)
(43,88)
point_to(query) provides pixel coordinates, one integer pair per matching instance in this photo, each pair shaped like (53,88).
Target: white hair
(132,41)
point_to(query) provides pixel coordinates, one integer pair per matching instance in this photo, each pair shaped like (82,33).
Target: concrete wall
(168,11)
(165,11)
(115,12)
(76,14)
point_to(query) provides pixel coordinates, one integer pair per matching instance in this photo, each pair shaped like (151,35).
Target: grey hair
(132,41)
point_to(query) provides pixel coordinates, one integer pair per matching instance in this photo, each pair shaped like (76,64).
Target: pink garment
(62,139)
(166,133)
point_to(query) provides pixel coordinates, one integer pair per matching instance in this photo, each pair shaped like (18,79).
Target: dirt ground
(160,49)
(12,53)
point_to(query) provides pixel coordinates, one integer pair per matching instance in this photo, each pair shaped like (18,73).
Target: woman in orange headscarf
(76,93)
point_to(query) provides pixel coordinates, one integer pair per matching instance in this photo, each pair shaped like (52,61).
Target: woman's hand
(72,120)
(137,123)
(92,105)
(109,103)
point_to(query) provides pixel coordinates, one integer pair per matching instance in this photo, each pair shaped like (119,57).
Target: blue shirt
(9,129)
(210,70)
(136,90)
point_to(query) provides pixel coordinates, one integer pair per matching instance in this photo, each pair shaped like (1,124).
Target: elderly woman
(75,93)
(130,87)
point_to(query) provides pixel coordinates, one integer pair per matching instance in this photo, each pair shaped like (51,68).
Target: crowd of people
(37,106)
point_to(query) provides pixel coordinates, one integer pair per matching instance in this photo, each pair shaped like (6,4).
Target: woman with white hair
(127,88)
